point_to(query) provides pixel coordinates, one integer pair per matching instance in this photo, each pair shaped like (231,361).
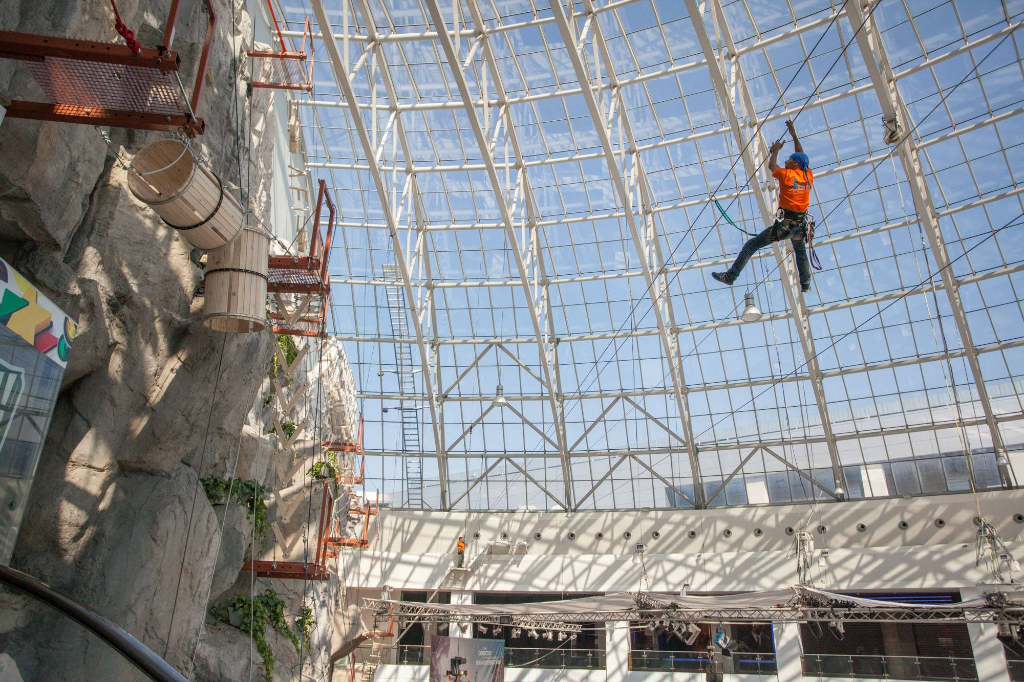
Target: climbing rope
(839,204)
(124,31)
(811,253)
(277,28)
(721,209)
(597,364)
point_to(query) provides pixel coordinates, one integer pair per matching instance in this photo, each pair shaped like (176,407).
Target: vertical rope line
(220,541)
(195,498)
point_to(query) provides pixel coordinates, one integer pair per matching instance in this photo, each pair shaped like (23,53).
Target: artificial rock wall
(152,400)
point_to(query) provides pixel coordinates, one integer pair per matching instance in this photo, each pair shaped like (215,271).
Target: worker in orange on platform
(795,182)
(460,547)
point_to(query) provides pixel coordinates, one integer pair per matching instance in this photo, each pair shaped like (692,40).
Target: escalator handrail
(137,653)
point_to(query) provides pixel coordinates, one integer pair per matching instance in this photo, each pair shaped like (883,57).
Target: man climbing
(460,547)
(795,182)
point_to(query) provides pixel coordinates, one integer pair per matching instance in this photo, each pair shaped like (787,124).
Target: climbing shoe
(805,288)
(722,277)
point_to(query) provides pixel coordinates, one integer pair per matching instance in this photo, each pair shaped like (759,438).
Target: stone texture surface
(225,653)
(152,401)
(9,669)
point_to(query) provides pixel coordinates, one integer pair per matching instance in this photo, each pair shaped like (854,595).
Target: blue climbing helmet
(800,159)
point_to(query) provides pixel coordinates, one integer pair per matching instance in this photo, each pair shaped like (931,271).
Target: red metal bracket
(345,446)
(334,542)
(301,570)
(284,70)
(306,274)
(106,84)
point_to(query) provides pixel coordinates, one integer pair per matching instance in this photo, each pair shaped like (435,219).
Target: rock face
(9,670)
(152,401)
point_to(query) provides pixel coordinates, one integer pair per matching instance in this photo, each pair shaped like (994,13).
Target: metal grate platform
(107,84)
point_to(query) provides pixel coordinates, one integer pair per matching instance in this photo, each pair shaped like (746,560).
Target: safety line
(849,194)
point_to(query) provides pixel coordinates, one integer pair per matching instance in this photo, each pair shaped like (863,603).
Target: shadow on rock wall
(152,400)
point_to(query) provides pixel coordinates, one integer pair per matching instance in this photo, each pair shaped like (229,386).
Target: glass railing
(752,664)
(890,667)
(411,654)
(674,661)
(697,661)
(587,659)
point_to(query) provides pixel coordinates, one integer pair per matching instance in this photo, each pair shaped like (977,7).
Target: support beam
(645,237)
(897,116)
(418,213)
(788,275)
(345,86)
(484,143)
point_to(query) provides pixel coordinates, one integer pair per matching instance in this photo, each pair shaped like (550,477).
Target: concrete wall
(413,550)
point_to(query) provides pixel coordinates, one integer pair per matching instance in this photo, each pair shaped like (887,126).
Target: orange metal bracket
(346,446)
(301,570)
(306,274)
(363,541)
(284,70)
(106,84)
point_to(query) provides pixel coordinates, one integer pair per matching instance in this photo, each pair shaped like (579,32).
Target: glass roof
(554,224)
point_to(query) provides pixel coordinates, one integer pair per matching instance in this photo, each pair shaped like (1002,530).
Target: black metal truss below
(789,613)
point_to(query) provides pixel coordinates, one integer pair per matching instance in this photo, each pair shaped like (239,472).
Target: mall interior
(538,340)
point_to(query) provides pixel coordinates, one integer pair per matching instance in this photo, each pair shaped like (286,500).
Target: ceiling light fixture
(750,312)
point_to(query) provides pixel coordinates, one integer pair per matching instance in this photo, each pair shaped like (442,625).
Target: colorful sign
(461,659)
(33,317)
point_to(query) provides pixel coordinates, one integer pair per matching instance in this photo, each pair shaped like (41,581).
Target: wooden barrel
(188,196)
(236,284)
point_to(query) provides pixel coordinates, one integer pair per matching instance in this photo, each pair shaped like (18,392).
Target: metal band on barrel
(220,200)
(248,272)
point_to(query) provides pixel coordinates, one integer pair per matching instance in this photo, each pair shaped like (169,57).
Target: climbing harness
(786,231)
(124,31)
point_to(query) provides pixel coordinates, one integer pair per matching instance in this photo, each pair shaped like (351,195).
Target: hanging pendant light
(750,312)
(499,396)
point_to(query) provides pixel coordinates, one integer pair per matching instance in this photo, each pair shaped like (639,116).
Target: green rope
(729,220)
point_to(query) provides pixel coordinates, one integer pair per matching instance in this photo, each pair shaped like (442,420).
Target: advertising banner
(35,342)
(460,659)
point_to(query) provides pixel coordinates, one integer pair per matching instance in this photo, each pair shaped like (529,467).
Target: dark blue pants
(785,228)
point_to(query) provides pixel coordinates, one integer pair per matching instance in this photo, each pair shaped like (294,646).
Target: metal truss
(897,118)
(420,251)
(751,145)
(788,613)
(465,45)
(646,241)
(344,81)
(486,146)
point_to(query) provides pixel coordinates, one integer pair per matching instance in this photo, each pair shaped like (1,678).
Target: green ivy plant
(287,427)
(287,345)
(216,489)
(305,622)
(259,612)
(325,468)
(247,492)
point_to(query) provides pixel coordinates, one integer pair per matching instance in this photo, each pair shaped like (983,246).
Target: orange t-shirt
(794,188)
(461,546)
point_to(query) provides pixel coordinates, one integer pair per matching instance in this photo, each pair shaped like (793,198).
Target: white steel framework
(542,176)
